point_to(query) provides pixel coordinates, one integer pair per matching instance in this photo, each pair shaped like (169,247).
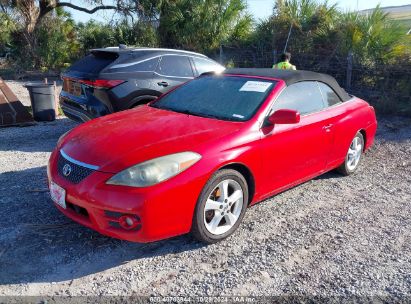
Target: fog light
(128,222)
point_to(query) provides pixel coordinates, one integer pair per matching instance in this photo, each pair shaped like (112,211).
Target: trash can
(42,100)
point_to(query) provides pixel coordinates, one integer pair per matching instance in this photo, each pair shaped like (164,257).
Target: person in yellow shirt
(284,63)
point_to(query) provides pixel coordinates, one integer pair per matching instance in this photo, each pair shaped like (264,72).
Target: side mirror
(284,116)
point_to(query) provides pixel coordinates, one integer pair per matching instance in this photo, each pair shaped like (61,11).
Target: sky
(260,9)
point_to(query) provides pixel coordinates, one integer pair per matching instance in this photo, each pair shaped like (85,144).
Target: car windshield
(221,97)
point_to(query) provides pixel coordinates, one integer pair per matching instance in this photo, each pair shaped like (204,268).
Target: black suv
(116,78)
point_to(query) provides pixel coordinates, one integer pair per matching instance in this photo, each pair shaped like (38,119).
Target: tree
(57,40)
(373,37)
(96,35)
(201,25)
(306,20)
(7,26)
(30,14)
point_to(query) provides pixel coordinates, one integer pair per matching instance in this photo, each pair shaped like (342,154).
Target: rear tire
(353,156)
(220,207)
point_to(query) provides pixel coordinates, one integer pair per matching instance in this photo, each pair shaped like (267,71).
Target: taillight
(98,83)
(102,83)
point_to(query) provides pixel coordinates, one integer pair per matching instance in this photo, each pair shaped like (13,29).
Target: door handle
(327,127)
(163,83)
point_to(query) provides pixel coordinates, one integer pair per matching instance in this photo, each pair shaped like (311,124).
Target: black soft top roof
(291,76)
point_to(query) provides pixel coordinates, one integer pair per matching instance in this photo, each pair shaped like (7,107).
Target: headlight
(156,170)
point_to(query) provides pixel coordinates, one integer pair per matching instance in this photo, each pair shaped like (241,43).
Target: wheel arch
(248,175)
(141,100)
(364,135)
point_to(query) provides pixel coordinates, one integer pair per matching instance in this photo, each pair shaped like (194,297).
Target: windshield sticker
(255,86)
(238,116)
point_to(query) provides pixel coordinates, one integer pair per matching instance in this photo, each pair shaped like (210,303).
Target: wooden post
(56,98)
(349,71)
(221,54)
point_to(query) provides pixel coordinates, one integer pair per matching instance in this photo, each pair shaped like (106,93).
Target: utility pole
(288,37)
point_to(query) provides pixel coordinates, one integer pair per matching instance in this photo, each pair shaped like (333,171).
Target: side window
(330,98)
(144,66)
(147,66)
(204,65)
(304,97)
(178,66)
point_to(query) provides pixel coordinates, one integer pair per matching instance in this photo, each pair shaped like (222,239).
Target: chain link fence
(386,87)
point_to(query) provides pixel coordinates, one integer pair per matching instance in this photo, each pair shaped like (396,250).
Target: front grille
(113,214)
(77,172)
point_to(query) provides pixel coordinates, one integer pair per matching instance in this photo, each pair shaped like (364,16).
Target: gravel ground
(332,236)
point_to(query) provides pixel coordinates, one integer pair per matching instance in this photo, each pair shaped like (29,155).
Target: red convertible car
(197,157)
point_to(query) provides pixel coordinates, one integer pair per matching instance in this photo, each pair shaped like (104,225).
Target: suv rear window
(148,65)
(205,65)
(94,62)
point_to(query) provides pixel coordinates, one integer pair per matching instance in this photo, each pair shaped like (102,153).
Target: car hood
(120,140)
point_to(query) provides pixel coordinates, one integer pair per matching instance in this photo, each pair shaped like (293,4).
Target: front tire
(220,207)
(353,157)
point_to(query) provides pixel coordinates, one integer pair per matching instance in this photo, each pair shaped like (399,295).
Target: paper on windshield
(255,86)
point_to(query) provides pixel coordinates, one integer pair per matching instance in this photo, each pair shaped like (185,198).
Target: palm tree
(201,25)
(372,37)
(303,22)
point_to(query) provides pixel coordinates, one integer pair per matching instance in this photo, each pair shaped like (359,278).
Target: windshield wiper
(188,112)
(200,114)
(211,116)
(185,111)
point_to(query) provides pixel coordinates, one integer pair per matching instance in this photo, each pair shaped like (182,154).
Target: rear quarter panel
(138,87)
(351,117)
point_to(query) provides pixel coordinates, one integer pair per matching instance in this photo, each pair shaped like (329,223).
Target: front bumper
(164,210)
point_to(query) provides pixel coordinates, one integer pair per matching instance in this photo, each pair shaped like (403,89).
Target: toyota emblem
(66,170)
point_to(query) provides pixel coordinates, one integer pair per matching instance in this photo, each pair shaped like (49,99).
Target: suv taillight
(98,83)
(102,83)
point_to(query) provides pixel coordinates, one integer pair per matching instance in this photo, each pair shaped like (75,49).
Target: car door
(294,152)
(336,116)
(172,71)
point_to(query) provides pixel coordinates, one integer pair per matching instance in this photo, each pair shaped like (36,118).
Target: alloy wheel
(223,207)
(354,153)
